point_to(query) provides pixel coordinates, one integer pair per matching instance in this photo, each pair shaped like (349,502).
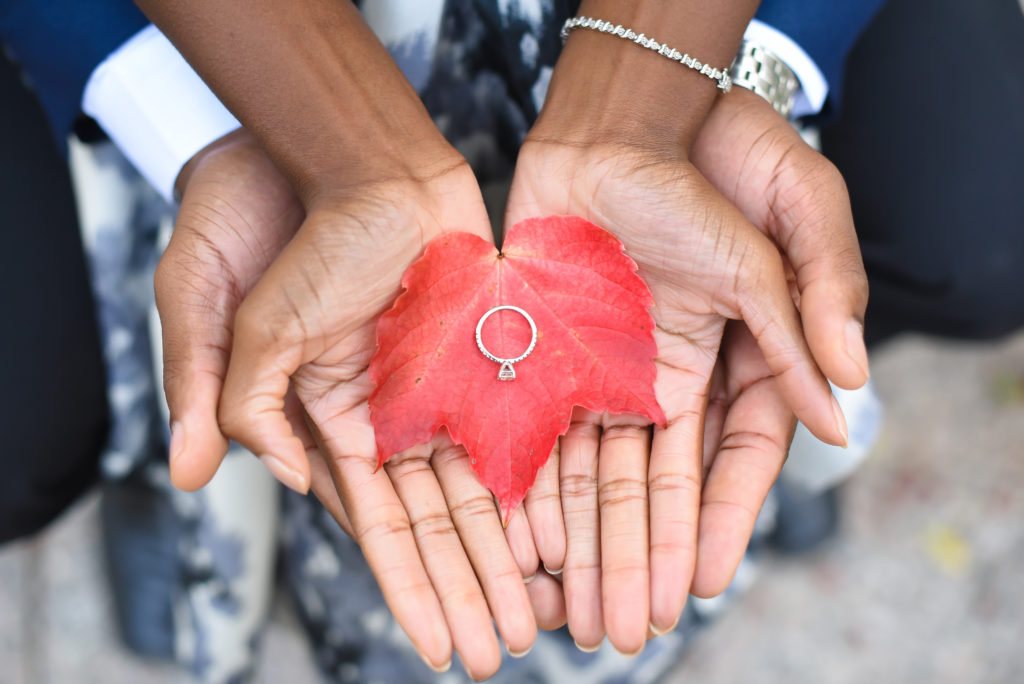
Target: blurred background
(920,576)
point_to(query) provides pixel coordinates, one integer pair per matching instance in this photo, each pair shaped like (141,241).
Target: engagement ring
(506,372)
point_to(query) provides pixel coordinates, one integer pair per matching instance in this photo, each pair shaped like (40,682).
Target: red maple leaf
(594,347)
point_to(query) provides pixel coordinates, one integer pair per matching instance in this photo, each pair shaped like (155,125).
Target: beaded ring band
(506,372)
(720,75)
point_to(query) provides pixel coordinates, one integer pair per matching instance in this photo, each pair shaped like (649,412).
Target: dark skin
(375,181)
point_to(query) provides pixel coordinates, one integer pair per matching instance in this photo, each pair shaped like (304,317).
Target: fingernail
(520,654)
(527,580)
(439,670)
(177,445)
(553,572)
(635,653)
(284,474)
(659,632)
(840,422)
(586,649)
(855,348)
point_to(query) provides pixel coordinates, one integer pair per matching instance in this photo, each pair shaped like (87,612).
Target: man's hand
(237,215)
(797,198)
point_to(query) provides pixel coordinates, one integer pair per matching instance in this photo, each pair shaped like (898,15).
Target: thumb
(814,226)
(793,193)
(195,328)
(265,352)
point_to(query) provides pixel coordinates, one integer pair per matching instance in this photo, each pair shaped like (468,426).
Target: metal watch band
(757,69)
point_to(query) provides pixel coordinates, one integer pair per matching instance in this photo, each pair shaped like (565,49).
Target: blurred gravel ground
(926,582)
(924,585)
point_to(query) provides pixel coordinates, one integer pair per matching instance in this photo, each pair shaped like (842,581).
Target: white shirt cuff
(813,86)
(155,107)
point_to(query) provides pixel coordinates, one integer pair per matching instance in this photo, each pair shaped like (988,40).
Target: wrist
(237,137)
(313,84)
(607,89)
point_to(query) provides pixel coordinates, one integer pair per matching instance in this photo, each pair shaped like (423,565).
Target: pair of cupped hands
(745,238)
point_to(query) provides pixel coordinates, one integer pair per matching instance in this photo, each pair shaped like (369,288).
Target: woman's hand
(377,181)
(300,334)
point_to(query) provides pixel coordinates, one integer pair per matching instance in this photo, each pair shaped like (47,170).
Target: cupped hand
(277,322)
(705,264)
(756,159)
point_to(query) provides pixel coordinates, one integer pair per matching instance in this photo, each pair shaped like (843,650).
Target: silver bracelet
(720,75)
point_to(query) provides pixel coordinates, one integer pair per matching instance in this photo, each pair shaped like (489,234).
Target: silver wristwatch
(757,69)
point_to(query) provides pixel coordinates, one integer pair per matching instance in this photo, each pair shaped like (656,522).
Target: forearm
(314,85)
(607,88)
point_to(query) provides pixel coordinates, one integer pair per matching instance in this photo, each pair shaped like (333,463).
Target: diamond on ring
(506,372)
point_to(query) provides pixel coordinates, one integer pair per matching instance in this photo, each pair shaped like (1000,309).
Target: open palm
(705,264)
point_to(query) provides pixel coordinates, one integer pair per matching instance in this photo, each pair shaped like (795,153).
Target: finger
(264,355)
(805,207)
(814,226)
(767,308)
(384,533)
(323,489)
(753,448)
(479,527)
(625,552)
(544,510)
(714,415)
(451,574)
(321,482)
(547,600)
(674,484)
(520,542)
(196,338)
(581,578)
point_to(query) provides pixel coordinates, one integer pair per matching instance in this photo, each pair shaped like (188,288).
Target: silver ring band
(506,372)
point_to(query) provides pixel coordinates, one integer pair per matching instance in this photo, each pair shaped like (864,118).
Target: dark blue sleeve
(58,43)
(826,30)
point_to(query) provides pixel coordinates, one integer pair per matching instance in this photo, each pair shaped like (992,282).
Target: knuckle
(751,439)
(536,496)
(622,490)
(746,513)
(617,572)
(385,531)
(676,547)
(164,278)
(448,455)
(513,574)
(674,483)
(275,324)
(828,175)
(410,461)
(576,485)
(459,596)
(433,525)
(577,566)
(473,508)
(628,431)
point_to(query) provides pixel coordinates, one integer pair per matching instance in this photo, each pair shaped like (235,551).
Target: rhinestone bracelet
(720,75)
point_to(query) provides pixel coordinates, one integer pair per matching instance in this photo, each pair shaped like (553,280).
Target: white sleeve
(154,107)
(813,86)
